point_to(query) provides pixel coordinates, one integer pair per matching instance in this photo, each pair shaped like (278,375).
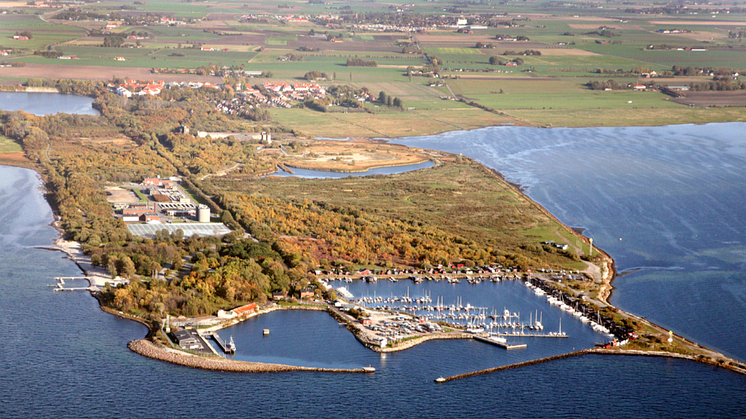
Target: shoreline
(605,291)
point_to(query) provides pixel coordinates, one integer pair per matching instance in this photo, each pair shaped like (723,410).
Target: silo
(203,214)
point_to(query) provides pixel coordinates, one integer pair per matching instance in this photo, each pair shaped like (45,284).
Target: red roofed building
(239,311)
(156,181)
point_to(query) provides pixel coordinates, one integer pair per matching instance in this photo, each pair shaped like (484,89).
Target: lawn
(632,116)
(9,145)
(588,99)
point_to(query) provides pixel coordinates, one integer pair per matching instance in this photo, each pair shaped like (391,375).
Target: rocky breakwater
(150,350)
(400,346)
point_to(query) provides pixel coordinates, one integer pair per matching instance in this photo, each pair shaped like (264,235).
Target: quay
(227,347)
(60,282)
(61,279)
(503,345)
(531,335)
(59,288)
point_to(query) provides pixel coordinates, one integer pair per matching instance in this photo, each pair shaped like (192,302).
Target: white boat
(230,347)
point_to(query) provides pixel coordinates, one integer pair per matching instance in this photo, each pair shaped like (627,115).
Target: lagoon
(46,103)
(322,174)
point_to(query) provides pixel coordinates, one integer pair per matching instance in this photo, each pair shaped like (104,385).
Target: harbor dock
(504,345)
(60,284)
(227,347)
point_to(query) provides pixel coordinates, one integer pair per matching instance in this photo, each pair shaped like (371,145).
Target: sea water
(62,357)
(667,203)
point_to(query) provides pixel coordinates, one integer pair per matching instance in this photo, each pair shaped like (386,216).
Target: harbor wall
(148,349)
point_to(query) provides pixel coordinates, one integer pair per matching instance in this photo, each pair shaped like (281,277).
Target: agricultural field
(560,51)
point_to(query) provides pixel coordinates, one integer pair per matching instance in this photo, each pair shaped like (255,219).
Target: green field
(532,93)
(9,145)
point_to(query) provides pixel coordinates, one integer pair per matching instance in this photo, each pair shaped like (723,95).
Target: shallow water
(46,103)
(322,174)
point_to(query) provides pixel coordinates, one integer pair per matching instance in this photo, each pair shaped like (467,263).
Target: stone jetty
(150,350)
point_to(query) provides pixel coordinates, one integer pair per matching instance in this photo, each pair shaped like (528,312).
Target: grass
(8,145)
(590,99)
(389,124)
(633,116)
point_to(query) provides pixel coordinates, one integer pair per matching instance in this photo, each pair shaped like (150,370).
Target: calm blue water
(668,203)
(321,174)
(62,357)
(315,339)
(46,103)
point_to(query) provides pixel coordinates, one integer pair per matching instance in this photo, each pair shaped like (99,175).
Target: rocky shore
(148,349)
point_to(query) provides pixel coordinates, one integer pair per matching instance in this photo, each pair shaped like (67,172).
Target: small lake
(46,103)
(321,174)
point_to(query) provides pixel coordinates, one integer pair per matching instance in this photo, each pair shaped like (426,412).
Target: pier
(503,345)
(60,282)
(225,346)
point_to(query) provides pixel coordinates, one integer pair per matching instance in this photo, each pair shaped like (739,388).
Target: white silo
(203,214)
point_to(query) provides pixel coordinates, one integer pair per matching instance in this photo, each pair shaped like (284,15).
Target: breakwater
(150,350)
(729,365)
(511,366)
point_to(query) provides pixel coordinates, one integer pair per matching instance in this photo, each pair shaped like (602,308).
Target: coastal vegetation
(389,221)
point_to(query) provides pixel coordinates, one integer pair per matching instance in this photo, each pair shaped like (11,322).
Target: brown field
(704,99)
(705,36)
(220,16)
(119,142)
(13,4)
(468,41)
(352,156)
(504,78)
(116,194)
(15,158)
(247,38)
(61,71)
(390,125)
(355,46)
(697,22)
(565,52)
(680,80)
